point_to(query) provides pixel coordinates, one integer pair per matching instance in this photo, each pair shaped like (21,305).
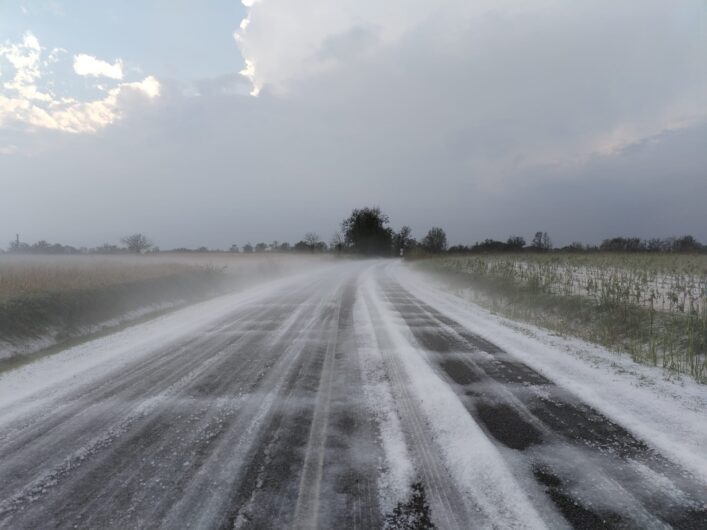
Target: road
(335,399)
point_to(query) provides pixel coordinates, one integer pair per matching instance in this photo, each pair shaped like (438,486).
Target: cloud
(24,104)
(8,149)
(87,65)
(585,120)
(509,82)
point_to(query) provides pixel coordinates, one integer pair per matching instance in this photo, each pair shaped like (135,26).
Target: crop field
(49,300)
(651,306)
(22,275)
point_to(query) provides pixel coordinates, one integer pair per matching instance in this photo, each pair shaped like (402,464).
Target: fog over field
(487,118)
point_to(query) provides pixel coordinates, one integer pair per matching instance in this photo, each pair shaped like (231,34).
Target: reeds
(651,306)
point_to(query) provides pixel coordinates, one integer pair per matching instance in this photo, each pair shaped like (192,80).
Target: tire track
(524,412)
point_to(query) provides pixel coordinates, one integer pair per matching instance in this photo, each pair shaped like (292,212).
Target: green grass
(653,307)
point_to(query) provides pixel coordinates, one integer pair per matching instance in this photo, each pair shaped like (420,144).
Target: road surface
(335,399)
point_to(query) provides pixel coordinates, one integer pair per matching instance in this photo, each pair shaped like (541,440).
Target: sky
(222,122)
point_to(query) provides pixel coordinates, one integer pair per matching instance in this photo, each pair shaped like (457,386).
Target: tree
(435,241)
(366,232)
(301,246)
(541,241)
(261,247)
(136,242)
(403,241)
(337,242)
(515,243)
(312,240)
(247,248)
(686,244)
(234,248)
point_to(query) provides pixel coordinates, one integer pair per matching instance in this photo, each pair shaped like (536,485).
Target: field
(50,300)
(653,307)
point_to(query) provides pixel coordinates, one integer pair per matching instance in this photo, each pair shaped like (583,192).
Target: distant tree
(622,244)
(575,246)
(301,246)
(261,247)
(234,248)
(337,242)
(655,245)
(41,247)
(17,246)
(491,245)
(366,232)
(541,241)
(312,239)
(202,249)
(248,248)
(686,244)
(274,246)
(403,241)
(515,243)
(136,242)
(435,241)
(284,247)
(458,249)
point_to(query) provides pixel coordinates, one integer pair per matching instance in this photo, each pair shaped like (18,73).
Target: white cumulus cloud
(24,103)
(87,65)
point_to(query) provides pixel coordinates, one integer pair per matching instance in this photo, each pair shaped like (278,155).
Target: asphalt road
(301,408)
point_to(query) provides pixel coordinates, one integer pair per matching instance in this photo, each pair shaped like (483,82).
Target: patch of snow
(397,473)
(473,461)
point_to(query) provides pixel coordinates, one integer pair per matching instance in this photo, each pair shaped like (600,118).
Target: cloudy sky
(211,123)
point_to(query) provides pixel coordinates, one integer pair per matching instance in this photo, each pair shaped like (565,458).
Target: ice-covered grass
(653,307)
(669,413)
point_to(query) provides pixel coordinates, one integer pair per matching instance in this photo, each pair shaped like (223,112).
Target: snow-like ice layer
(28,347)
(473,461)
(397,473)
(668,414)
(38,383)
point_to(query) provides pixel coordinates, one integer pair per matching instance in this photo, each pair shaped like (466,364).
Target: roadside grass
(50,300)
(653,307)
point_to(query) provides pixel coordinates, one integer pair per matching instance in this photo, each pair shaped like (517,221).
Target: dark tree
(686,244)
(515,243)
(366,232)
(136,242)
(247,248)
(261,247)
(301,246)
(403,241)
(312,240)
(337,242)
(435,241)
(541,241)
(234,248)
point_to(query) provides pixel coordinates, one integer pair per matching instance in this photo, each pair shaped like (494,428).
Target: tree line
(367,232)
